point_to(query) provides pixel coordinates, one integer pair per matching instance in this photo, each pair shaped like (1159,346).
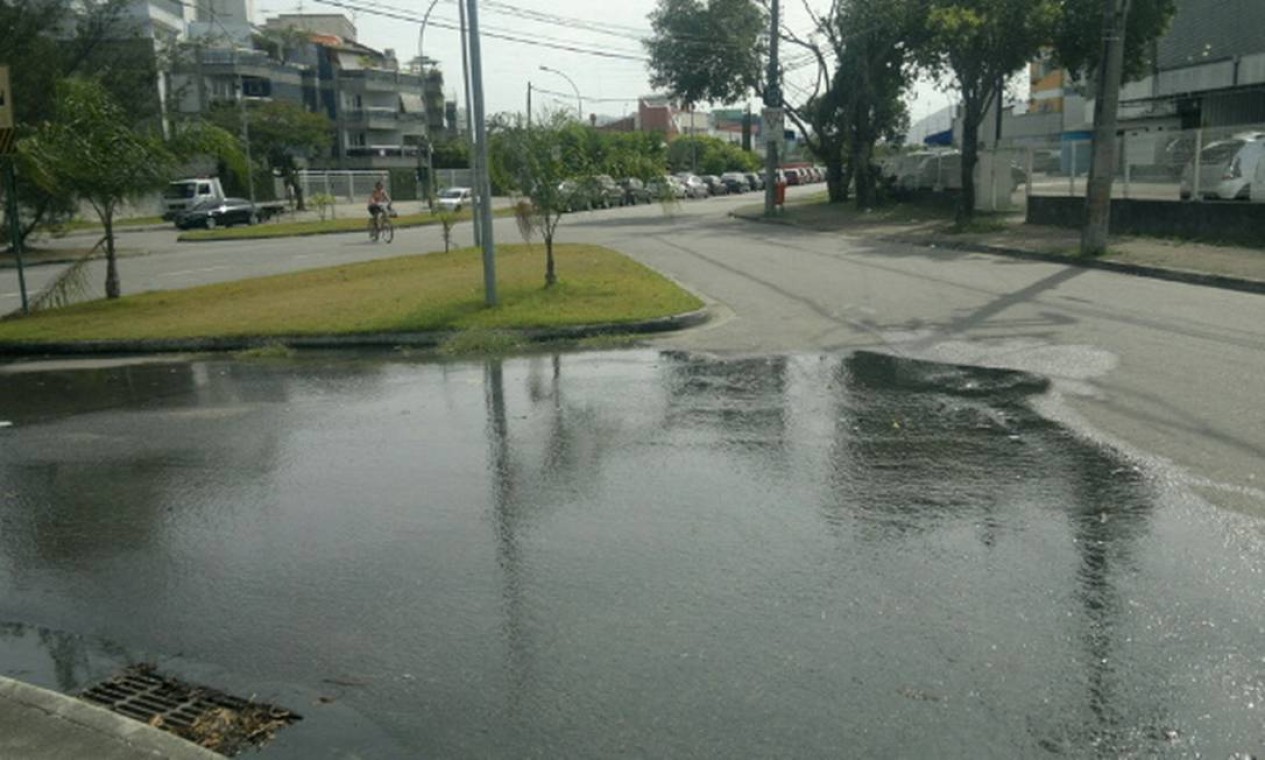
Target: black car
(714,185)
(755,180)
(735,182)
(219,213)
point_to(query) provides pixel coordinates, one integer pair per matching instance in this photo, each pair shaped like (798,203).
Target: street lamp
(579,104)
(421,71)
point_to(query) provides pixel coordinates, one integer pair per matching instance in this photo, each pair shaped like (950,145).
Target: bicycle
(381,227)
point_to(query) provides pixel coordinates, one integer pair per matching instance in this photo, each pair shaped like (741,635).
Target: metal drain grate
(205,716)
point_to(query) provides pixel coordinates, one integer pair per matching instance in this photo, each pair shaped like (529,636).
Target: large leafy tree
(864,54)
(91,152)
(707,51)
(977,45)
(1077,37)
(45,41)
(281,132)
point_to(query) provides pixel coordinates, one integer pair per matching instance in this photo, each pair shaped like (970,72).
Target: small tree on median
(92,152)
(539,163)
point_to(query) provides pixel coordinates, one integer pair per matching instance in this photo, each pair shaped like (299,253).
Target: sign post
(10,191)
(7,140)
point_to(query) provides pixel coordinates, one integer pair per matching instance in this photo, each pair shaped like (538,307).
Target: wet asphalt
(639,553)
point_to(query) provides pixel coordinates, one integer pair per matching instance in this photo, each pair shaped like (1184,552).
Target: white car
(1226,168)
(454,199)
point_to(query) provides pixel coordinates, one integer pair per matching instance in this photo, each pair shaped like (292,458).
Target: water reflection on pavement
(626,553)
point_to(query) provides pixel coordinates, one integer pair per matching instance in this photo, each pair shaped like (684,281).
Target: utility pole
(772,117)
(250,166)
(473,152)
(529,104)
(1102,168)
(484,190)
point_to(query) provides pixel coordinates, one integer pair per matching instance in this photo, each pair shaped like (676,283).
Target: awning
(411,102)
(939,138)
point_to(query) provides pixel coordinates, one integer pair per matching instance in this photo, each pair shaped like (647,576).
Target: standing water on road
(632,553)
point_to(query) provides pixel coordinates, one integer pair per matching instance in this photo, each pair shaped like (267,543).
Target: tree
(280,133)
(545,164)
(978,44)
(860,98)
(91,152)
(46,41)
(1077,38)
(706,52)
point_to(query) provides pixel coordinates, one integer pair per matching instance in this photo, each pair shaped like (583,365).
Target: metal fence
(350,186)
(1161,165)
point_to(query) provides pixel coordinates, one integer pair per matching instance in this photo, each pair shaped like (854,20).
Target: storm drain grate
(212,719)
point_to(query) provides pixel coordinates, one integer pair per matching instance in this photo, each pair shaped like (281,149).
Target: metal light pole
(579,104)
(476,223)
(481,137)
(529,104)
(421,71)
(250,166)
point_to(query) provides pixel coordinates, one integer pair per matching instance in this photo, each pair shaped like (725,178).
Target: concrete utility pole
(483,185)
(772,120)
(241,104)
(473,153)
(421,71)
(1102,168)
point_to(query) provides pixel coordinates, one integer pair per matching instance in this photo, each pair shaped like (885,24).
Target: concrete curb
(1225,282)
(55,725)
(364,340)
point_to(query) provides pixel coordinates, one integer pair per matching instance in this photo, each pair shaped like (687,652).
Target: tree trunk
(836,187)
(862,174)
(111,265)
(970,154)
(551,276)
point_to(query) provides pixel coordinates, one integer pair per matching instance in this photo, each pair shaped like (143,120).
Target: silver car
(454,199)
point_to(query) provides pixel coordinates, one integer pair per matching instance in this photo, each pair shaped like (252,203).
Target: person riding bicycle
(379,201)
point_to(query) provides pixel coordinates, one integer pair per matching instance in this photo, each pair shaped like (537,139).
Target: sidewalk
(37,724)
(1183,261)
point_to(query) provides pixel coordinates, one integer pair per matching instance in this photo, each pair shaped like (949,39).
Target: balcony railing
(381,151)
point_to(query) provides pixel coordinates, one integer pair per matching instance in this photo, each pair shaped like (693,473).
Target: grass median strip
(358,223)
(406,294)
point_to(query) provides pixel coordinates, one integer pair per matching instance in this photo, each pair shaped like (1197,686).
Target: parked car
(792,177)
(606,192)
(694,186)
(1226,168)
(735,182)
(714,185)
(635,191)
(454,199)
(666,187)
(212,213)
(574,196)
(756,181)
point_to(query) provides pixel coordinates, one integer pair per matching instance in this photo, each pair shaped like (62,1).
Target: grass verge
(435,292)
(80,225)
(321,226)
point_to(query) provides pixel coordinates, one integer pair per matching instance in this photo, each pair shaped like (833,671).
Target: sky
(608,84)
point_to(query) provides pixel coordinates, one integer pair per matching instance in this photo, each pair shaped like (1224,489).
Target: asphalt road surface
(1164,369)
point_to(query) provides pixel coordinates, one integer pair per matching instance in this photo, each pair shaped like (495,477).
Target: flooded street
(629,553)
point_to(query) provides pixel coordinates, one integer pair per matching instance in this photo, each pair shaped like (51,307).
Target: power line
(554,45)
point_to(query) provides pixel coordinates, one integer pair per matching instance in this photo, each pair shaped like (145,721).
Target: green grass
(356,223)
(406,294)
(77,225)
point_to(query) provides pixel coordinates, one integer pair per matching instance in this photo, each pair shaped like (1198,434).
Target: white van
(184,194)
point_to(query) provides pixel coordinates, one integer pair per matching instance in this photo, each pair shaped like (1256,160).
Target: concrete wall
(1230,223)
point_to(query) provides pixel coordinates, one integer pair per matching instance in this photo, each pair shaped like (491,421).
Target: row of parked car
(603,191)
